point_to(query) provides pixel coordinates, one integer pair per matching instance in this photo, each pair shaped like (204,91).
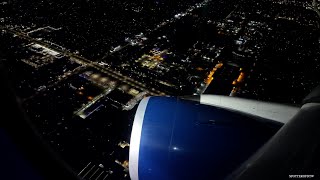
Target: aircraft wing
(218,137)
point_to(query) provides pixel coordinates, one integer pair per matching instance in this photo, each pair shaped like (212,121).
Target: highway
(84,61)
(97,98)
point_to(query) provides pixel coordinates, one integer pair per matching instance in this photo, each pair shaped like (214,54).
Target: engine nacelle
(178,139)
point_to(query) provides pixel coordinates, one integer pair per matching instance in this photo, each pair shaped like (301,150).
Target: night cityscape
(81,67)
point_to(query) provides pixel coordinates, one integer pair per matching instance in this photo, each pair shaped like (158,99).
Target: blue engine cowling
(178,139)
